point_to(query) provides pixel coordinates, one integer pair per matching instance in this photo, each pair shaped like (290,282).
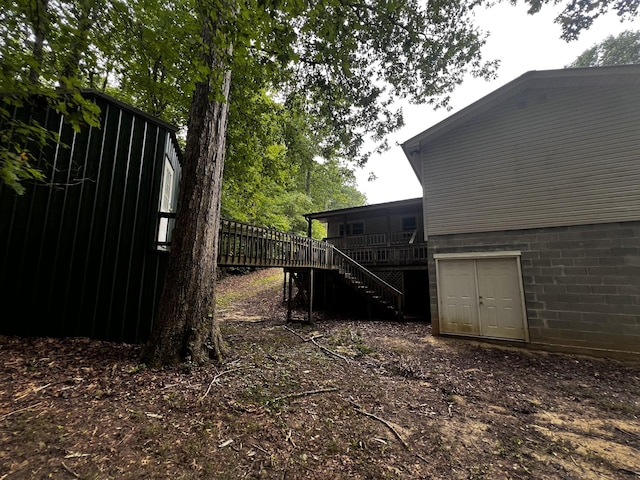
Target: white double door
(481,297)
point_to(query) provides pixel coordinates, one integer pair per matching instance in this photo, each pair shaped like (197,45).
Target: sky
(523,43)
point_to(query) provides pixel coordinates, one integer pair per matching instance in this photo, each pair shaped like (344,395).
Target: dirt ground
(338,399)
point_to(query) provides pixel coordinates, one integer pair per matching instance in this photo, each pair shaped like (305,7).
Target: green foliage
(344,63)
(621,50)
(41,53)
(579,15)
(154,57)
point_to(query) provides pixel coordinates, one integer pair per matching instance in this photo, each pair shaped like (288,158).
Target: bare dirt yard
(337,399)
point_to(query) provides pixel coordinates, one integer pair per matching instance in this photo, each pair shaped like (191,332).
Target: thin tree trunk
(40,24)
(186,329)
(86,16)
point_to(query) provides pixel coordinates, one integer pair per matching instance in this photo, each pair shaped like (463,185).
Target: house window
(349,229)
(409,224)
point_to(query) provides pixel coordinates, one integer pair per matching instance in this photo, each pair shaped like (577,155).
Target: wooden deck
(244,245)
(241,244)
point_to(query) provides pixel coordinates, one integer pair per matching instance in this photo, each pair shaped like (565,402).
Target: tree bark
(186,329)
(39,18)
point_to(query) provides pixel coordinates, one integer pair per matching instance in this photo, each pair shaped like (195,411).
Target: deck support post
(310,316)
(290,304)
(284,287)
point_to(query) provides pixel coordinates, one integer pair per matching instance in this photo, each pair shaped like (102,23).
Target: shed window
(167,187)
(166,204)
(348,229)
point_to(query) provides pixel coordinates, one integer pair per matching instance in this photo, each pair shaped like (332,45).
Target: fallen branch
(6,415)
(74,474)
(330,352)
(215,379)
(305,394)
(313,340)
(254,445)
(304,339)
(295,333)
(630,472)
(33,391)
(630,434)
(382,420)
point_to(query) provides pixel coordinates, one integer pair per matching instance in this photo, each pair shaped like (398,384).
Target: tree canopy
(623,49)
(579,15)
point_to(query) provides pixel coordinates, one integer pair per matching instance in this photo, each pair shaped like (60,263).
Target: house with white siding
(531,212)
(387,239)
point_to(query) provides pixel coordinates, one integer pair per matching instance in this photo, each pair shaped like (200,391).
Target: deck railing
(374,239)
(241,244)
(390,255)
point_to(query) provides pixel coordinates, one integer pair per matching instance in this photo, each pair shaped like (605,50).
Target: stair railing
(373,284)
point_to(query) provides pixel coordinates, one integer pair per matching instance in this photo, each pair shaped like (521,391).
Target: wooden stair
(378,292)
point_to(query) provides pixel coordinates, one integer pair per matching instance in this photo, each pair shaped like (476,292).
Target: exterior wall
(581,283)
(377,224)
(544,157)
(78,256)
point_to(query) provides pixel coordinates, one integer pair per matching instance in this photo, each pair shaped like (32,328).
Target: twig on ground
(330,352)
(381,420)
(630,434)
(255,445)
(289,439)
(313,340)
(215,378)
(304,339)
(6,415)
(295,333)
(74,474)
(33,391)
(422,458)
(306,393)
(630,472)
(305,467)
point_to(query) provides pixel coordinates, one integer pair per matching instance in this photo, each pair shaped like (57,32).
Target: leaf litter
(402,405)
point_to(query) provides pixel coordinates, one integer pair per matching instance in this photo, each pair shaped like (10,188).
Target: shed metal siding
(78,256)
(564,156)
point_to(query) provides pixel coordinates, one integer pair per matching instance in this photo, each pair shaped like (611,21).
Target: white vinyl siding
(543,158)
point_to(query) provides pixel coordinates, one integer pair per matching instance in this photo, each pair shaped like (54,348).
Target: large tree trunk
(186,329)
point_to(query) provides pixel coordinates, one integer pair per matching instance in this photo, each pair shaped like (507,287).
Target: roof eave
(413,146)
(363,208)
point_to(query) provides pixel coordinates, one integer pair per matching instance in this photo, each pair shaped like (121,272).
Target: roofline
(125,106)
(362,208)
(412,146)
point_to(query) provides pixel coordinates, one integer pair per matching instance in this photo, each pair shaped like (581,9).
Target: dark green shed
(83,255)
